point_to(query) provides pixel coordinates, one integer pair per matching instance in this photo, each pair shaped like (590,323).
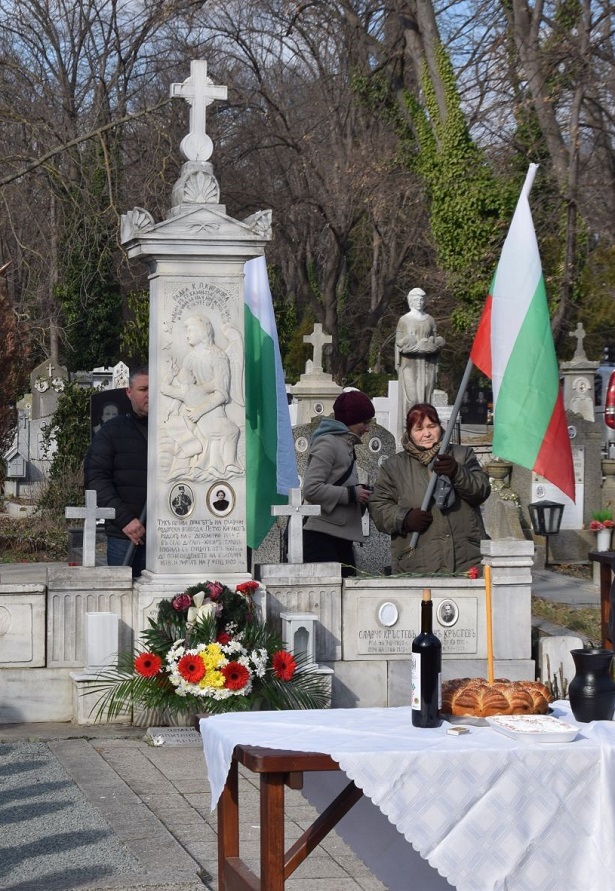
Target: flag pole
(527,186)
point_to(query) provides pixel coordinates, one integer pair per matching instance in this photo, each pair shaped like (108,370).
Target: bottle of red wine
(426,670)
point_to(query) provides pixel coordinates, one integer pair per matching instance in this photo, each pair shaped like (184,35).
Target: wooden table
(277,768)
(605,559)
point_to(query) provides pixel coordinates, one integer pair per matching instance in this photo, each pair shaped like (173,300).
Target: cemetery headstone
(47,381)
(196,407)
(89,514)
(295,511)
(578,377)
(315,391)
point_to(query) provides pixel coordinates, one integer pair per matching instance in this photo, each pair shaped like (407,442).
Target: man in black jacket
(116,467)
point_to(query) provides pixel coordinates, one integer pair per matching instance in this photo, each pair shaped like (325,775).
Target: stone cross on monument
(199,91)
(89,514)
(295,511)
(579,333)
(318,341)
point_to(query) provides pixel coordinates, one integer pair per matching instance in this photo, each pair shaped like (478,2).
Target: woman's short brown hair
(419,412)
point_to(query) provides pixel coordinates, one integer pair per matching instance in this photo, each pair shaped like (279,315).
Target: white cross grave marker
(295,511)
(89,514)
(318,341)
(199,91)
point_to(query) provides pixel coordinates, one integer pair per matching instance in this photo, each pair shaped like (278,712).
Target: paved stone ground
(100,809)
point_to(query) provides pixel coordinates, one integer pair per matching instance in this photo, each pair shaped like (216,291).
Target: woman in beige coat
(451,530)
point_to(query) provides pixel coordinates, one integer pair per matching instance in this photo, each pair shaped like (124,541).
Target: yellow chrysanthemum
(212,679)
(212,656)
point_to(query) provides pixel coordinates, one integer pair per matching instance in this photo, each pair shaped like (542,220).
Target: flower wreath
(208,650)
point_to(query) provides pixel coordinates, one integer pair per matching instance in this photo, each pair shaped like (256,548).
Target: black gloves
(445,465)
(417,520)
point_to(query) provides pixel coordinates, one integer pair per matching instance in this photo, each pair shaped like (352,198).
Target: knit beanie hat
(352,407)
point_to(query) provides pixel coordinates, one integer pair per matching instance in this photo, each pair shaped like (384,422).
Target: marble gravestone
(196,457)
(47,381)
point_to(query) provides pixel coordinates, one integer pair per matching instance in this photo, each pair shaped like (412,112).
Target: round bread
(477,698)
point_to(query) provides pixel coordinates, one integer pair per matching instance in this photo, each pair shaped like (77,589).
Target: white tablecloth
(486,812)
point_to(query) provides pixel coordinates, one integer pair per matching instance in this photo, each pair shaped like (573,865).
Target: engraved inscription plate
(218,544)
(455,623)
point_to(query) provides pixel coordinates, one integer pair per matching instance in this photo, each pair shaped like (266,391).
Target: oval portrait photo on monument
(181,500)
(448,613)
(220,499)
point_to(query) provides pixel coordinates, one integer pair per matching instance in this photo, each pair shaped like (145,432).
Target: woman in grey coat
(331,480)
(451,530)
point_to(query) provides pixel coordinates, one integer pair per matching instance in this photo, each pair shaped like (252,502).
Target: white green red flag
(271,465)
(514,347)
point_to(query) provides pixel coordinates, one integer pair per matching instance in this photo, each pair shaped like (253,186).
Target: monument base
(85,698)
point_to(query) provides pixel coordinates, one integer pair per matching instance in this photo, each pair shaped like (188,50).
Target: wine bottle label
(416,681)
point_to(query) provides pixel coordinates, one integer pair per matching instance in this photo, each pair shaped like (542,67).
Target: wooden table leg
(272,831)
(228,823)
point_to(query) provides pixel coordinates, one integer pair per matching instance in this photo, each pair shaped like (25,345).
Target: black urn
(592,691)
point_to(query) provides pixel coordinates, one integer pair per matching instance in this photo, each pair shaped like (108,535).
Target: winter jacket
(330,457)
(451,544)
(116,467)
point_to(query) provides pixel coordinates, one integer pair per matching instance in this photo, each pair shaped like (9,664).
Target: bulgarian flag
(271,466)
(514,347)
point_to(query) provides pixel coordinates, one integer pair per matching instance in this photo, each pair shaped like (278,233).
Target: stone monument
(196,455)
(417,347)
(578,377)
(315,391)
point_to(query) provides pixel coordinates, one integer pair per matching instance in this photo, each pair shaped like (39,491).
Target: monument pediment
(208,222)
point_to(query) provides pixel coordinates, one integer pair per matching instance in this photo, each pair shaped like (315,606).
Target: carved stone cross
(579,333)
(89,514)
(199,91)
(318,340)
(295,511)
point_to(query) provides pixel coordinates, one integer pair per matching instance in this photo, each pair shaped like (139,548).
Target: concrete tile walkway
(154,801)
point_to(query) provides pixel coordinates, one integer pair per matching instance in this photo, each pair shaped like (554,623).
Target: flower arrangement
(602,519)
(208,651)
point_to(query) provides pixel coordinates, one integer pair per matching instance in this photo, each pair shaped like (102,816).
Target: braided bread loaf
(476,697)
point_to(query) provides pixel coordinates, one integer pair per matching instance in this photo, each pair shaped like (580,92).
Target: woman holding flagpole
(451,528)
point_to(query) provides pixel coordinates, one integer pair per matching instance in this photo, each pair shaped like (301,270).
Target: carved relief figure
(417,347)
(201,441)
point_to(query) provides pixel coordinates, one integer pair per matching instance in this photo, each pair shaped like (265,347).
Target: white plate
(533,728)
(473,719)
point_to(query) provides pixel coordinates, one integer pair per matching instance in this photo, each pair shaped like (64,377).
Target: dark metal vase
(592,690)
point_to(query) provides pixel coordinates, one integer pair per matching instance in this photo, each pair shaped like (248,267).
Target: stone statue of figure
(417,347)
(201,441)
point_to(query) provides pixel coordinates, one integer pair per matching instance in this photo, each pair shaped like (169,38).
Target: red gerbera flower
(148,664)
(247,587)
(236,675)
(223,639)
(284,665)
(191,668)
